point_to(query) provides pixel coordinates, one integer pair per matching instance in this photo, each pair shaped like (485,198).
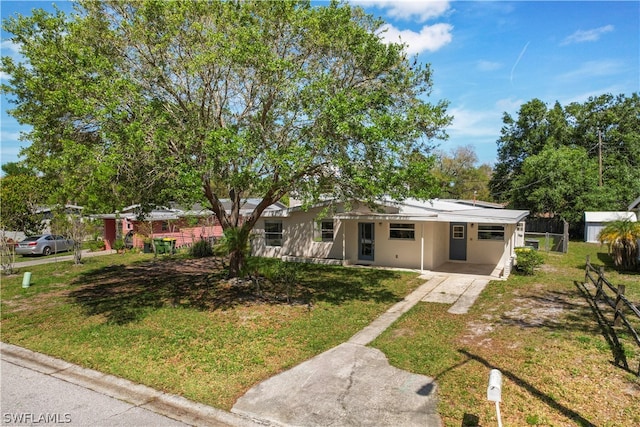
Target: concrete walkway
(460,290)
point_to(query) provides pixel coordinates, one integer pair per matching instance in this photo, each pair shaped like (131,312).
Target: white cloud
(485,123)
(476,124)
(415,10)
(12,50)
(592,35)
(10,46)
(9,137)
(483,65)
(509,105)
(584,96)
(12,151)
(597,68)
(430,38)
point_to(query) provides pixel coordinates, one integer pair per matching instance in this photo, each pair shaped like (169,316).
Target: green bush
(118,245)
(527,260)
(96,245)
(201,249)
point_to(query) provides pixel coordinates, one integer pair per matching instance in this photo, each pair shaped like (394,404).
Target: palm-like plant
(622,237)
(235,241)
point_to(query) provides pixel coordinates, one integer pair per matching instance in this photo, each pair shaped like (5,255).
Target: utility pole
(599,157)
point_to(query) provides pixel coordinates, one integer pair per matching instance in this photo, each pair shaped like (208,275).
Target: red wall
(109,233)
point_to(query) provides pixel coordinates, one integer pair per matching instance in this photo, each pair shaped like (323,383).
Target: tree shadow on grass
(532,389)
(606,260)
(606,328)
(335,285)
(126,293)
(551,310)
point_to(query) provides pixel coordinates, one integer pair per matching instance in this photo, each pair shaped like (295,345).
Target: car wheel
(46,251)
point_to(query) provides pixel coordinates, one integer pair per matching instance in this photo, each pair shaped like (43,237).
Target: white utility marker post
(494,391)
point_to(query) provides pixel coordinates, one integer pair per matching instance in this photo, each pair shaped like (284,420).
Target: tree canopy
(21,197)
(149,101)
(549,158)
(459,177)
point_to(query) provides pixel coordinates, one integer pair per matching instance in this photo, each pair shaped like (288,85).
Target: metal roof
(609,216)
(431,210)
(163,213)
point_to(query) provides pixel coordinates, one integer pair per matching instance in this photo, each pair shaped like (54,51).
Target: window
(324,230)
(458,231)
(273,233)
(490,232)
(402,231)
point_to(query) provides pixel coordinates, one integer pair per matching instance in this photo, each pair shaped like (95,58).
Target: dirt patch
(534,309)
(476,332)
(37,302)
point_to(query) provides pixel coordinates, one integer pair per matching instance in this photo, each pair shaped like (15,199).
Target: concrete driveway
(354,385)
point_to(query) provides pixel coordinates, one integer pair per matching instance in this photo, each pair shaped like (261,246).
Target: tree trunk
(236,263)
(236,244)
(77,253)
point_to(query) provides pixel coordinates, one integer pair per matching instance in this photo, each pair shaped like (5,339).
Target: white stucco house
(594,222)
(410,234)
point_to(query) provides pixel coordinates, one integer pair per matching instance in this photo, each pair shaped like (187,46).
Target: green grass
(557,360)
(177,325)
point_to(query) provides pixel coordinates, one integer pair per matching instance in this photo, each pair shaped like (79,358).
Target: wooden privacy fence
(625,312)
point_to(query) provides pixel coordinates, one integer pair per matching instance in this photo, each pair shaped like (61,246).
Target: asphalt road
(63,256)
(30,397)
(37,389)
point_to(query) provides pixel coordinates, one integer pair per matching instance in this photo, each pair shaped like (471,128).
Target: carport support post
(422,248)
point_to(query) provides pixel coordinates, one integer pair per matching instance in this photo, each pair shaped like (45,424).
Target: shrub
(201,249)
(527,260)
(118,245)
(96,245)
(622,237)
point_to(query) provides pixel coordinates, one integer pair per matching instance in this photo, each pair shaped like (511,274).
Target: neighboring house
(594,222)
(47,213)
(410,234)
(186,226)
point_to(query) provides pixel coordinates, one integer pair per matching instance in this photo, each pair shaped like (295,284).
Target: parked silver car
(45,244)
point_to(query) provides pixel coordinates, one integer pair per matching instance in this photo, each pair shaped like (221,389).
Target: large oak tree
(147,101)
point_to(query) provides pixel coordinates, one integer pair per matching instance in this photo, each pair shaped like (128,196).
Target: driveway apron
(354,385)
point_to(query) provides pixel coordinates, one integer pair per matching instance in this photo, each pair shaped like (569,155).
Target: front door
(365,241)
(458,241)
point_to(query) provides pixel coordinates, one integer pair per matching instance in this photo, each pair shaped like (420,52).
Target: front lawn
(177,325)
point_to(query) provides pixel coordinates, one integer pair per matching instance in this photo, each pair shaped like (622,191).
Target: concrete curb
(169,405)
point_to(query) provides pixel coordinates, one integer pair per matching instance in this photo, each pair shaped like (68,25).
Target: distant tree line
(562,161)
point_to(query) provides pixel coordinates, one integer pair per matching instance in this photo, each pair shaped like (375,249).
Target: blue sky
(487,57)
